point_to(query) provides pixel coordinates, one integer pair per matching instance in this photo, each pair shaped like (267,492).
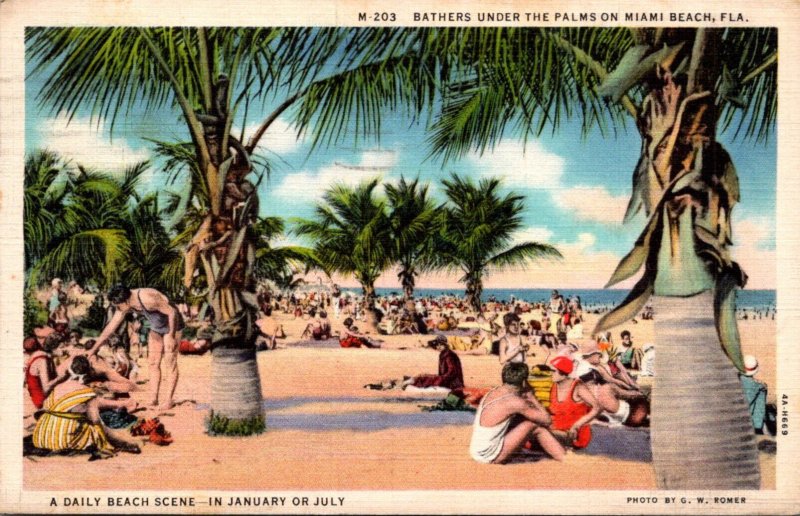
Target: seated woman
(319,328)
(621,403)
(71,418)
(450,374)
(40,371)
(572,405)
(351,338)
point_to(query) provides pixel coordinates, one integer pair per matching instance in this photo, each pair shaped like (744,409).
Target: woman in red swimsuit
(572,405)
(40,371)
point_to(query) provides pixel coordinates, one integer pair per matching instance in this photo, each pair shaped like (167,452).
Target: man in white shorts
(508,417)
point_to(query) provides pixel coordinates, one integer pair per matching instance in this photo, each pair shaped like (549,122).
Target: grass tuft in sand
(221,425)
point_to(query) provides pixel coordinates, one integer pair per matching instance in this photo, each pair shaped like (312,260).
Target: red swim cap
(562,364)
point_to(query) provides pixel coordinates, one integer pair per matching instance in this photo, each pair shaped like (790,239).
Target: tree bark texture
(702,437)
(235,383)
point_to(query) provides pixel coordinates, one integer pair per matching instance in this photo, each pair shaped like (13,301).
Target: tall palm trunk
(408,283)
(702,437)
(235,383)
(701,432)
(370,315)
(224,244)
(473,294)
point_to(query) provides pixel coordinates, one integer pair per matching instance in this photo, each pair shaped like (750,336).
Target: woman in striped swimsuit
(71,417)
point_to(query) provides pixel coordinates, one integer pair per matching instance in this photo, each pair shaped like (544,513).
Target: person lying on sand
(509,416)
(198,346)
(351,338)
(101,370)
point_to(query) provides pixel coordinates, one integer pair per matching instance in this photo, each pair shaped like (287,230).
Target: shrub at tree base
(221,425)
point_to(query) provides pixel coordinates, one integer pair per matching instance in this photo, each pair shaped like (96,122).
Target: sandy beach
(321,421)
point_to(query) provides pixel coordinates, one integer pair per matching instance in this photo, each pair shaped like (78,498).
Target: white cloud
(382,159)
(757,231)
(592,203)
(307,185)
(280,138)
(754,250)
(521,166)
(533,234)
(87,143)
(585,241)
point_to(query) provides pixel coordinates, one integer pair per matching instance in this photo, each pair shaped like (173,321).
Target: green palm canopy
(351,232)
(477,230)
(412,216)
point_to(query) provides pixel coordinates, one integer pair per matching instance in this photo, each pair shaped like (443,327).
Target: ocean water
(747,299)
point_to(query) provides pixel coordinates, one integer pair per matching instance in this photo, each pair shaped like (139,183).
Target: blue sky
(576,187)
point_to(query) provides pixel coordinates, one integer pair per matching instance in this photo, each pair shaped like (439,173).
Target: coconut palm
(43,202)
(477,230)
(276,264)
(154,260)
(352,235)
(679,87)
(412,216)
(333,82)
(74,220)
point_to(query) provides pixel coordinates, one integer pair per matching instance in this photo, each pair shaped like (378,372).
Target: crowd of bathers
(80,387)
(556,381)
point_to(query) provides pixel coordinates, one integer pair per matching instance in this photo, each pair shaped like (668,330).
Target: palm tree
(352,235)
(337,82)
(477,232)
(74,221)
(154,259)
(412,215)
(679,87)
(276,264)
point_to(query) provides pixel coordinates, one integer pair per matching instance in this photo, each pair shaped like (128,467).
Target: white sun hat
(750,365)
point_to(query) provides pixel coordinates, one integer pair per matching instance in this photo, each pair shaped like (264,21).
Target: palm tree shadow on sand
(623,443)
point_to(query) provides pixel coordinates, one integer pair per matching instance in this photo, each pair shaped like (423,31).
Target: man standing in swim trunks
(509,416)
(166,324)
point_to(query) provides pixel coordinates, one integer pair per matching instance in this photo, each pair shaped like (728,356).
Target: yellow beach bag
(541,382)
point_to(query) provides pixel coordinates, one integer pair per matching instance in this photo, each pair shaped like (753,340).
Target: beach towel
(450,403)
(117,418)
